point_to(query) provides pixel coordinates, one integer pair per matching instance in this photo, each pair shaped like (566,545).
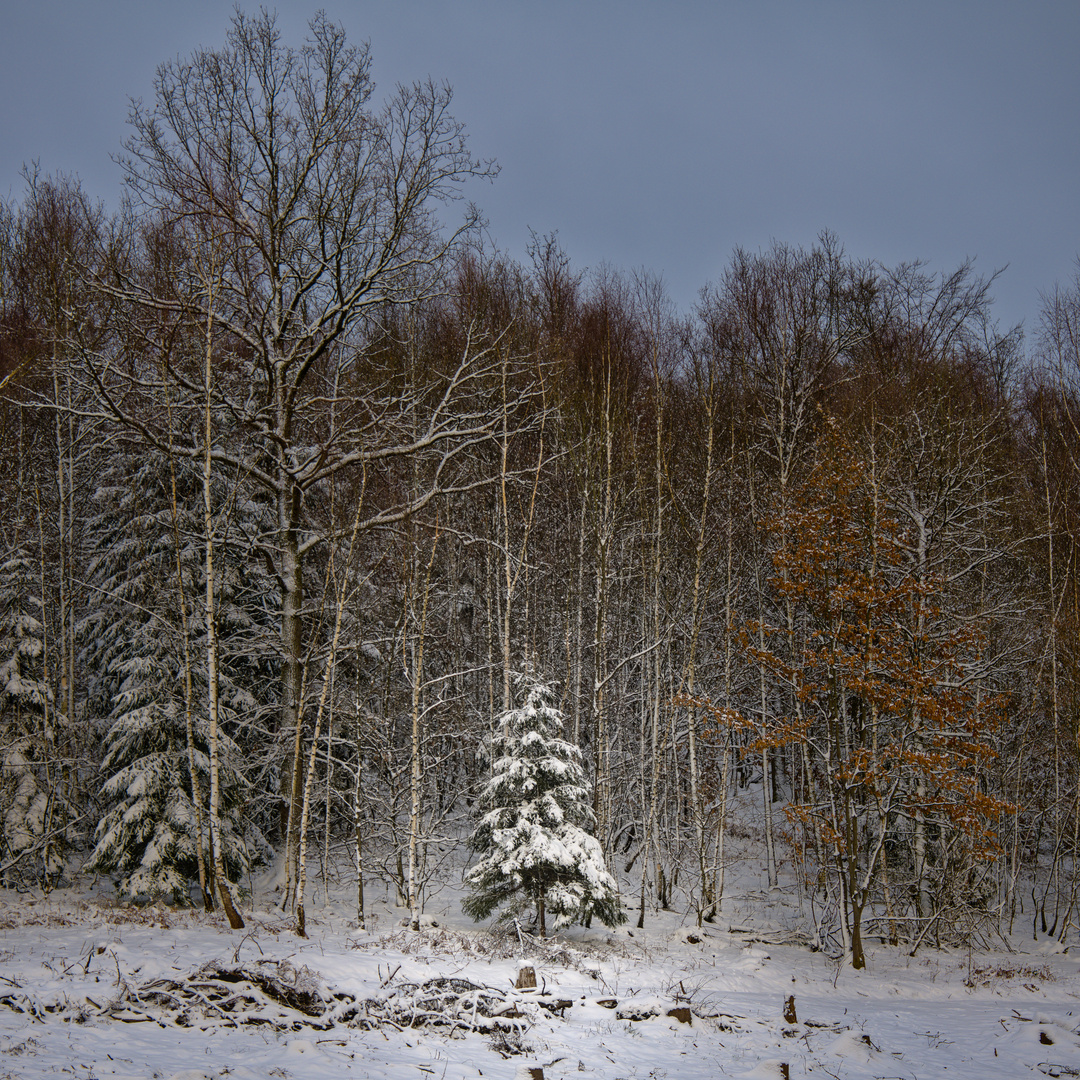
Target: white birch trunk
(235,921)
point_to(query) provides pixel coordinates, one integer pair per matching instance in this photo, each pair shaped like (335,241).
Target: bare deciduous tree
(326,209)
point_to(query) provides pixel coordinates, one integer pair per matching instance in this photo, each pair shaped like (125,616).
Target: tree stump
(526,978)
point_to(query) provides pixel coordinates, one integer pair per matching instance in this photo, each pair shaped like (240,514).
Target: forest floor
(91,989)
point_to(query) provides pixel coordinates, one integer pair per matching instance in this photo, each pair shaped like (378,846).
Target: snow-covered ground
(88,989)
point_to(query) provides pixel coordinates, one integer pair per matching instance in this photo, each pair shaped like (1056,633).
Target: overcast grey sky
(661,135)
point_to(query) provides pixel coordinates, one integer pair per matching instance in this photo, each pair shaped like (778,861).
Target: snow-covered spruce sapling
(533,836)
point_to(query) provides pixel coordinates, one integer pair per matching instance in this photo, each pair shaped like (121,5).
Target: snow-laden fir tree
(533,836)
(26,793)
(150,832)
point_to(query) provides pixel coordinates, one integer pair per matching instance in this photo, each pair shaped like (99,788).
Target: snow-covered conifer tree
(148,837)
(532,835)
(26,796)
(152,827)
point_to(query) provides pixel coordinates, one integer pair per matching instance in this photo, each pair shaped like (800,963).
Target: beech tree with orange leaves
(889,711)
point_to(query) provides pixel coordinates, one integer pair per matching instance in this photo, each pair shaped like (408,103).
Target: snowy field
(93,990)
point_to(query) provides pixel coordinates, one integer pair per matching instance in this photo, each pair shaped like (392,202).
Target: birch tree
(326,206)
(787,317)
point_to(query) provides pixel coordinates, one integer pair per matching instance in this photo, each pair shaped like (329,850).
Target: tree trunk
(189,699)
(235,921)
